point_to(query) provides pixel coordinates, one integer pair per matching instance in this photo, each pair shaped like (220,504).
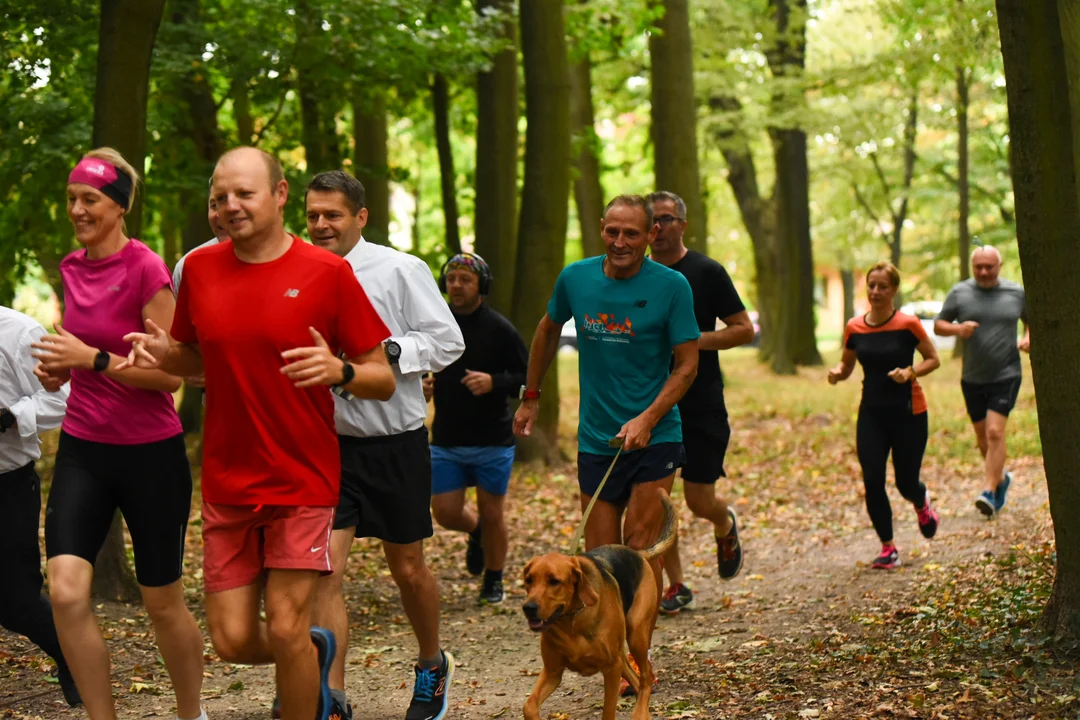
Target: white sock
(202,715)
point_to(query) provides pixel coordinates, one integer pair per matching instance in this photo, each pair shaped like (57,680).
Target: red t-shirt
(267,442)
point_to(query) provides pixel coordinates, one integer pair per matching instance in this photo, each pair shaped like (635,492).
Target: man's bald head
(986,266)
(989,250)
(247,157)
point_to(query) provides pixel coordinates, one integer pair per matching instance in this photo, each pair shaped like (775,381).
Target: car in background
(927,311)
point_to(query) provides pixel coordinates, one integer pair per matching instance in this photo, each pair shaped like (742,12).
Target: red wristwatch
(526,394)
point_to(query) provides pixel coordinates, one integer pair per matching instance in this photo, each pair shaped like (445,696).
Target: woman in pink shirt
(121,444)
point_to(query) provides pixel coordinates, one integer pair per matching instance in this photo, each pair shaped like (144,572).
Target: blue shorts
(456,468)
(650,464)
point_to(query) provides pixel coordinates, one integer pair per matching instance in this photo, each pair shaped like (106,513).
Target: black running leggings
(23,608)
(879,431)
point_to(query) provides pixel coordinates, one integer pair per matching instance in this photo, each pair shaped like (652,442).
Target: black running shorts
(386,487)
(650,464)
(983,397)
(149,483)
(706,441)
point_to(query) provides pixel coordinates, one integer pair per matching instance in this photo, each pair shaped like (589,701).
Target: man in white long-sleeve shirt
(26,409)
(385,460)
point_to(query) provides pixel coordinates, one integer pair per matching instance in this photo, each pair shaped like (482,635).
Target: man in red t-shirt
(264,318)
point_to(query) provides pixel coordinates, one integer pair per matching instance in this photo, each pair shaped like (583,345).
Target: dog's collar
(560,615)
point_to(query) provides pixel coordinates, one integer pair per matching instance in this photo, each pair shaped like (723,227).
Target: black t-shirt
(493,346)
(715,298)
(880,349)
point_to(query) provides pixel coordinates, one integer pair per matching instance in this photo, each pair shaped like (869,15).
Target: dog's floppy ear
(528,568)
(585,591)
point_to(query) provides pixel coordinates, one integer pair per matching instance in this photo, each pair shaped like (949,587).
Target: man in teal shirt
(632,315)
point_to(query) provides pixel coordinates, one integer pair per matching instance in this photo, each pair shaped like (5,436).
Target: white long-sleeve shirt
(404,293)
(34,407)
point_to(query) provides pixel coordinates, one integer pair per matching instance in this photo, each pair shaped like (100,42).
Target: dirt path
(805,580)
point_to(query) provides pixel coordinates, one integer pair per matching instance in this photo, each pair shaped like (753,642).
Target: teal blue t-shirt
(626,330)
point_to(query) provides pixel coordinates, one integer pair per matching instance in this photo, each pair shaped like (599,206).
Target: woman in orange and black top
(892,415)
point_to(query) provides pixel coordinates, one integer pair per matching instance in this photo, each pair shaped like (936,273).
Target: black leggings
(884,429)
(23,609)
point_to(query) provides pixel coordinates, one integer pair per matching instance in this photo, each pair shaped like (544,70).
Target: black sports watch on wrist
(7,419)
(101,361)
(348,372)
(393,352)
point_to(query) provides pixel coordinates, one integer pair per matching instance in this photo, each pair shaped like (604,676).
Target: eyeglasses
(667,219)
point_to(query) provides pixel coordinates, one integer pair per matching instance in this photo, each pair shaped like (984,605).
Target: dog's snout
(530,609)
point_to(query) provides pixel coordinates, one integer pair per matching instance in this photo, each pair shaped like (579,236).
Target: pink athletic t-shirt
(103,301)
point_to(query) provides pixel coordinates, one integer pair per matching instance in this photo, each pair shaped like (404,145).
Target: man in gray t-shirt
(984,311)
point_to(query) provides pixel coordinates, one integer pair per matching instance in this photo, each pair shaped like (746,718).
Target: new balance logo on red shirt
(292,292)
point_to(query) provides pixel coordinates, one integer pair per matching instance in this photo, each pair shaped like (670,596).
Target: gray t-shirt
(178,271)
(990,354)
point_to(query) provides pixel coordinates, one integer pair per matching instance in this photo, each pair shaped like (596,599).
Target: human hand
(428,383)
(52,382)
(148,349)
(313,365)
(836,374)
(901,376)
(525,416)
(196,381)
(967,329)
(479,383)
(1024,345)
(636,433)
(63,352)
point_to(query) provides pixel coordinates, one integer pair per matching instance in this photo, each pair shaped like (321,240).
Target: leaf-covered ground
(806,631)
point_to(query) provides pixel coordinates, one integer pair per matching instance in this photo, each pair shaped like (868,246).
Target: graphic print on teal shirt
(626,330)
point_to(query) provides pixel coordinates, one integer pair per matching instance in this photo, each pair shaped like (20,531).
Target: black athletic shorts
(650,464)
(149,483)
(982,397)
(706,441)
(386,487)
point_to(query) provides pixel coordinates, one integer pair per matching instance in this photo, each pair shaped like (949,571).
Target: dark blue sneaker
(986,503)
(430,699)
(326,647)
(1001,491)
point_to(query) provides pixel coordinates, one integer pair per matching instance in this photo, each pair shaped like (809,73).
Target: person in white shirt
(26,408)
(385,459)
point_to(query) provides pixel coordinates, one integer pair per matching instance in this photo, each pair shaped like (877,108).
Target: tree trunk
(318,110)
(1041,132)
(542,230)
(440,95)
(674,117)
(847,279)
(588,193)
(245,122)
(371,162)
(1069,14)
(497,114)
(963,187)
(125,43)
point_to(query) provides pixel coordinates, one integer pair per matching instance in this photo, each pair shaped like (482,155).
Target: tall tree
(588,192)
(371,161)
(779,226)
(542,230)
(125,43)
(674,116)
(497,115)
(1043,134)
(440,100)
(315,90)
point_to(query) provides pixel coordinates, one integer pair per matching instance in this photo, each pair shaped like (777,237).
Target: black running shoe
(887,559)
(677,598)
(339,713)
(67,686)
(493,593)
(986,503)
(729,550)
(326,647)
(474,553)
(928,519)
(430,699)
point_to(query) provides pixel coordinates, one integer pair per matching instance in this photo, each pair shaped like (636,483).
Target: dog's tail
(668,531)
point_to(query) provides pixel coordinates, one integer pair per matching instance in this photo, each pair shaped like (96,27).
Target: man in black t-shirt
(704,415)
(472,435)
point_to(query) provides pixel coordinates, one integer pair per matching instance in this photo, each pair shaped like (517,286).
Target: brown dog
(588,609)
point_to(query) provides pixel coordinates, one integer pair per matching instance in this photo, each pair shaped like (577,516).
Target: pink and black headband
(104,176)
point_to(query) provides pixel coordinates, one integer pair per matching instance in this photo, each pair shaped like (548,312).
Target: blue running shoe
(430,699)
(986,503)
(326,647)
(1001,491)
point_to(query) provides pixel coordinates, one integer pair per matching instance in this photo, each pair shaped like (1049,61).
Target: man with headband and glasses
(473,433)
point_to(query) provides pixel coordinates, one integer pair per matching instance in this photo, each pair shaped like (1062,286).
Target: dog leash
(576,542)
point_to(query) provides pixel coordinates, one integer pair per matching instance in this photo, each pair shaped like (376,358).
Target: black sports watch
(393,352)
(348,372)
(101,361)
(7,419)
